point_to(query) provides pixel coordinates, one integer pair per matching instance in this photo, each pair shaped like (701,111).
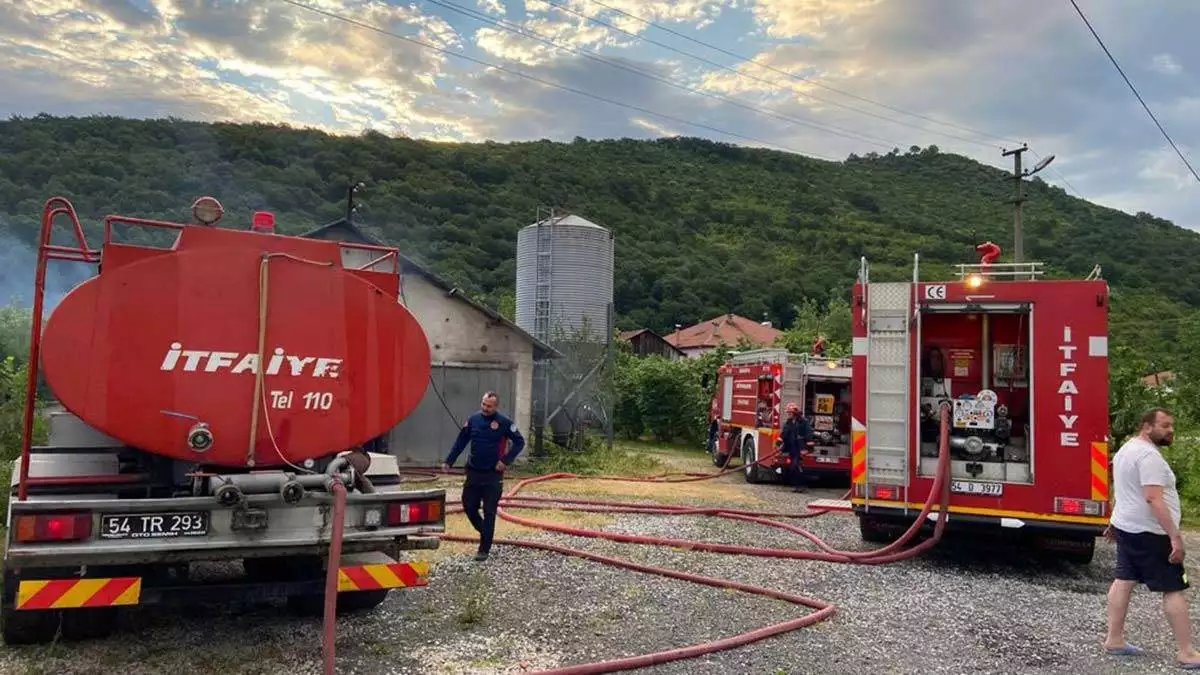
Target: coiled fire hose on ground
(892,552)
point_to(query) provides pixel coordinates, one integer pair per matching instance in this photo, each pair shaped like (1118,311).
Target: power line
(756,62)
(774,83)
(594,56)
(1134,89)
(547,83)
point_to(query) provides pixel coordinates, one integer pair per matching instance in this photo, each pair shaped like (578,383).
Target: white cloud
(814,18)
(491,6)
(246,61)
(953,61)
(1163,168)
(1166,64)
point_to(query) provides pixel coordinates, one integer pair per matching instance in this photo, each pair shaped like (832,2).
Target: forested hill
(701,227)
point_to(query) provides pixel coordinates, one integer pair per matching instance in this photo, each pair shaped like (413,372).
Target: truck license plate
(154,525)
(971,487)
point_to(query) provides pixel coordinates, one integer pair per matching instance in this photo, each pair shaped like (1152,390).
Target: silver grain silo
(565,279)
(564,298)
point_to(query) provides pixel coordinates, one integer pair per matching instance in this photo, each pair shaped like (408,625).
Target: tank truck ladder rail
(53,209)
(753,357)
(383,253)
(888,310)
(543,269)
(1008,271)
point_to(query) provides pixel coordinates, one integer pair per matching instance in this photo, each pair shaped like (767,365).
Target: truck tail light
(54,527)
(888,492)
(414,513)
(1078,507)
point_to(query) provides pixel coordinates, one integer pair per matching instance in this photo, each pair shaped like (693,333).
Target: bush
(12,410)
(665,399)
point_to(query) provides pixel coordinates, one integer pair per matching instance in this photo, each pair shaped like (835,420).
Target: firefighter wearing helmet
(797,432)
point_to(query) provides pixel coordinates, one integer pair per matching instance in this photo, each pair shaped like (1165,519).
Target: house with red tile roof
(728,330)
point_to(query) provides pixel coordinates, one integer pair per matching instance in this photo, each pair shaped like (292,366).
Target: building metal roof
(409,266)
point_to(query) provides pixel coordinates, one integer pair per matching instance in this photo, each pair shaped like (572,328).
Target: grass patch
(472,601)
(596,460)
(709,492)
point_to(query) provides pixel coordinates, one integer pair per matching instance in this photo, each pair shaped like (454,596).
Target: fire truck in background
(1024,362)
(748,411)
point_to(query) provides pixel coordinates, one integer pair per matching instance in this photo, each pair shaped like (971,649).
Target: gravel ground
(958,609)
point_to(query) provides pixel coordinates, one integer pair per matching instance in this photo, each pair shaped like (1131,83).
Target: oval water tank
(575,257)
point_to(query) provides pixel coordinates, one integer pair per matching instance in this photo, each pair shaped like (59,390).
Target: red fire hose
(887,554)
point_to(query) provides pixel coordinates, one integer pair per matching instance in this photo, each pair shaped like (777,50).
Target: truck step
(831,504)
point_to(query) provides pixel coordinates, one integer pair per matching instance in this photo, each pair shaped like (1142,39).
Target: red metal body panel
(161,339)
(1069,371)
(744,410)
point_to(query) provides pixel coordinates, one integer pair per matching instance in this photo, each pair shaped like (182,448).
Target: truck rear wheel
(360,601)
(356,601)
(750,470)
(1075,550)
(874,532)
(714,445)
(89,623)
(29,627)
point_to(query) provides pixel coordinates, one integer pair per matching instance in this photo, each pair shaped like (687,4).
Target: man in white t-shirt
(1145,525)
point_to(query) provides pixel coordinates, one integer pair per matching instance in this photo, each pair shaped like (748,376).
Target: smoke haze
(18,268)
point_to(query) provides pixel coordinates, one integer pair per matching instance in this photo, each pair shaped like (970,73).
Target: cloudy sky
(819,77)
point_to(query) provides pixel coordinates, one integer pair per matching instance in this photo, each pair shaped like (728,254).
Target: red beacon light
(207,211)
(264,221)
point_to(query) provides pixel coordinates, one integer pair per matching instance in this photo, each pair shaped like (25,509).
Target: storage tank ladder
(888,311)
(541,320)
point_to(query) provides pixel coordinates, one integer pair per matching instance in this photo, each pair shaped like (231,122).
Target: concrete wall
(461,335)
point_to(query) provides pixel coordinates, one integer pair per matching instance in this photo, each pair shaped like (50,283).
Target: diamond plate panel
(885,407)
(891,295)
(887,352)
(887,435)
(887,379)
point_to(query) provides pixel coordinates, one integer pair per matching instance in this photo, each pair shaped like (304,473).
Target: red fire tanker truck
(1023,360)
(218,393)
(748,411)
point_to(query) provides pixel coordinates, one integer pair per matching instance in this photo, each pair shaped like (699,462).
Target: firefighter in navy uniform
(488,432)
(797,432)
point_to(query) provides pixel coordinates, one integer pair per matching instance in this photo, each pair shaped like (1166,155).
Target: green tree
(832,321)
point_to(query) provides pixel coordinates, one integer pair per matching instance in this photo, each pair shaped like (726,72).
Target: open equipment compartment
(977,357)
(827,406)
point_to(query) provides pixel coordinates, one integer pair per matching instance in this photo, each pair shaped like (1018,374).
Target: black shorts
(1143,556)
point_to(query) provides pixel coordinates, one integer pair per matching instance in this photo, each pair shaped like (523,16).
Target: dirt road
(954,610)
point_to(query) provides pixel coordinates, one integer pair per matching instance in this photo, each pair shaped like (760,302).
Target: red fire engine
(1023,360)
(748,411)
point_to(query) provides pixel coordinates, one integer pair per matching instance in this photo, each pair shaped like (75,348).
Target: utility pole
(1018,199)
(351,209)
(1019,195)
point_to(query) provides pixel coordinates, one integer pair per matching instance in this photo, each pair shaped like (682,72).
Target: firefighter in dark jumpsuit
(489,434)
(796,434)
